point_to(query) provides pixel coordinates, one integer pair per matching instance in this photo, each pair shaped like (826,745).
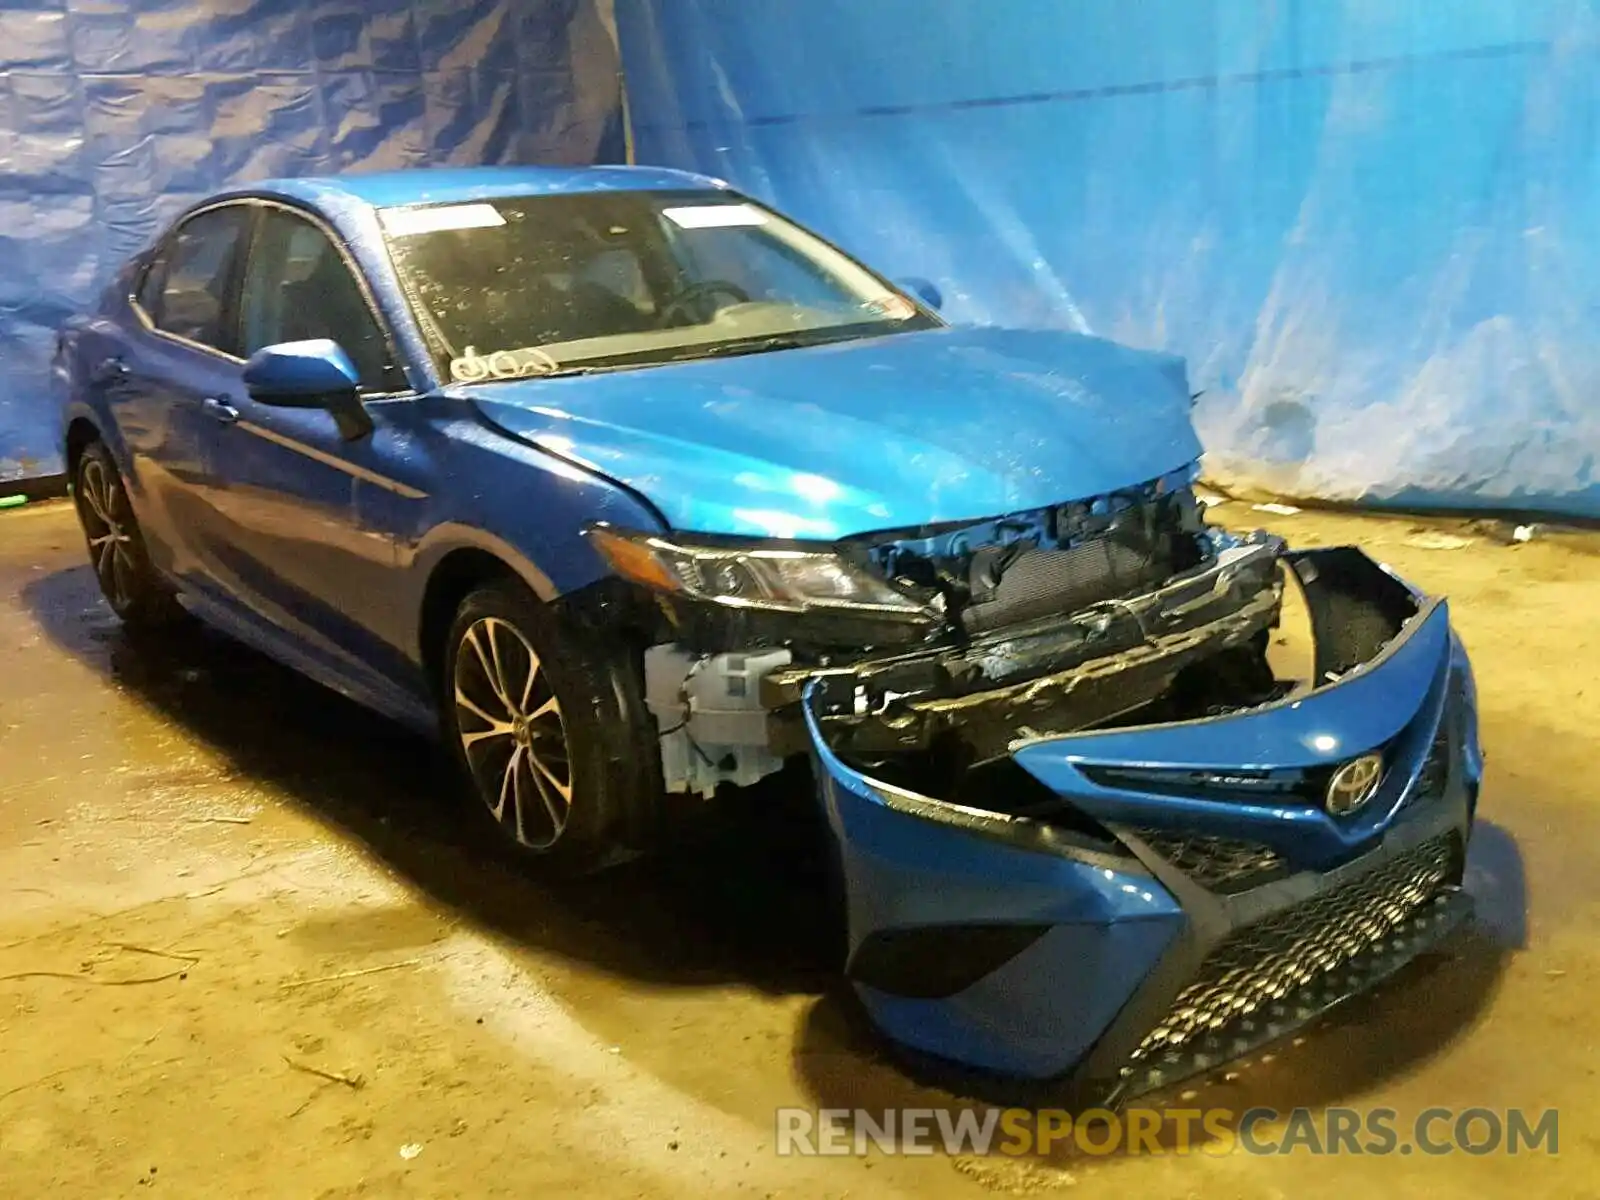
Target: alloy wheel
(107,522)
(512,732)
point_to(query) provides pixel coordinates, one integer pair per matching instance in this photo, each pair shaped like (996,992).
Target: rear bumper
(1225,905)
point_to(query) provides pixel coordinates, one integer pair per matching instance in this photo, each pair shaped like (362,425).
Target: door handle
(109,371)
(219,410)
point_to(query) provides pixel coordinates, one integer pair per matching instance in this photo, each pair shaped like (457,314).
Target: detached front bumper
(1184,894)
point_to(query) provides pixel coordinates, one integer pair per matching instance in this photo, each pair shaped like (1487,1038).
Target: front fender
(524,506)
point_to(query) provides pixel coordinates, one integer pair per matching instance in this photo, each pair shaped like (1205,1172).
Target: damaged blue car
(630,489)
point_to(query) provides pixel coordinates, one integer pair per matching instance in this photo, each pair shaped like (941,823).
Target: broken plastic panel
(1128,846)
(713,727)
(945,723)
(980,606)
(1025,566)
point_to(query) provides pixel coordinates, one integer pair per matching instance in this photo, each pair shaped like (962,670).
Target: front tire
(549,730)
(117,552)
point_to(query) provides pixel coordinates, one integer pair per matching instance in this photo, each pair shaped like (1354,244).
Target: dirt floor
(244,950)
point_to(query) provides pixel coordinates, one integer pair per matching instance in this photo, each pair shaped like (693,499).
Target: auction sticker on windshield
(714,216)
(409,222)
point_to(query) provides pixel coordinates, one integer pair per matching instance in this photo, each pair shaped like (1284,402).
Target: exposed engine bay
(1124,609)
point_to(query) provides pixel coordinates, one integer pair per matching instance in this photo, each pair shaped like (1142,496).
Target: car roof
(448,185)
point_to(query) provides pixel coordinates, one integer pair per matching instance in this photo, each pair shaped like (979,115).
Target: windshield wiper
(757,345)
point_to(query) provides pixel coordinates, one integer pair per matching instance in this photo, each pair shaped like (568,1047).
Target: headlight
(752,575)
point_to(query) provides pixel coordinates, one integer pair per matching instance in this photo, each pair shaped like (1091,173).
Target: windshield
(530,286)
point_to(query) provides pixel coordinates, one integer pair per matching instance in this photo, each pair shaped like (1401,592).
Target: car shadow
(733,900)
(744,900)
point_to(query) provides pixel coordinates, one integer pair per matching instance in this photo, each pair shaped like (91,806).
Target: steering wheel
(699,291)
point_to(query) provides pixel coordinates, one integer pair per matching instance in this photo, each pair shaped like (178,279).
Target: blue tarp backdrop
(1373,226)
(119,112)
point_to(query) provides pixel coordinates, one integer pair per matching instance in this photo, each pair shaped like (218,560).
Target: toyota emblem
(1353,784)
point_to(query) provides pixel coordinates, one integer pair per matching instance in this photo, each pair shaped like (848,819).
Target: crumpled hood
(876,434)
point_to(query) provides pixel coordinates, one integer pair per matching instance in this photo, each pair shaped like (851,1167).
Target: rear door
(286,491)
(163,374)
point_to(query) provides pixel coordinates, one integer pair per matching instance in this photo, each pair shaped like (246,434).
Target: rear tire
(549,730)
(137,593)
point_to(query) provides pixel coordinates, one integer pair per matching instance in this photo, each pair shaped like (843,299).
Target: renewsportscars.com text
(1145,1131)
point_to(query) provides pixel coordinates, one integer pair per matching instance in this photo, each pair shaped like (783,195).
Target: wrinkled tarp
(1370,225)
(117,113)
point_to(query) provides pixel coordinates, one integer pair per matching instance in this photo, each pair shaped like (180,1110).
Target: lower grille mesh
(1260,964)
(1224,865)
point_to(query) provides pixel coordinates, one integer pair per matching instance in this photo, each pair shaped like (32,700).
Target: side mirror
(311,374)
(923,289)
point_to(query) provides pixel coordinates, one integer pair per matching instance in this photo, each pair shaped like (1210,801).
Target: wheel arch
(452,579)
(81,432)
(456,572)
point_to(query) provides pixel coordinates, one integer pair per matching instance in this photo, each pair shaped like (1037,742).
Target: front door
(285,489)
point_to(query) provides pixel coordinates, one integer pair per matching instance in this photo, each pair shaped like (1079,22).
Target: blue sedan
(630,488)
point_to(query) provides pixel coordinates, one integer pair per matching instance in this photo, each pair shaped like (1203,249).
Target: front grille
(1426,928)
(1299,785)
(1225,865)
(1258,965)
